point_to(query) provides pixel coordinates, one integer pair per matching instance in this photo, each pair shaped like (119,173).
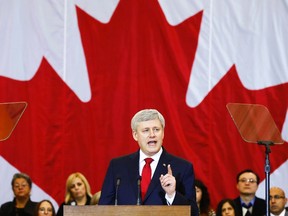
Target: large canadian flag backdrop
(86,67)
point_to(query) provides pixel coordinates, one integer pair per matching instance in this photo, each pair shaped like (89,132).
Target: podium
(127,210)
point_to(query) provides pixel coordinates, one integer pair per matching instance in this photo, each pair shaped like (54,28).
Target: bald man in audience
(278,201)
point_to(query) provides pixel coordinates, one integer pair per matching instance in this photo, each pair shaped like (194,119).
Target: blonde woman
(78,191)
(95,198)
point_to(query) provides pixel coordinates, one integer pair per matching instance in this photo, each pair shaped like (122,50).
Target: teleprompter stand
(256,125)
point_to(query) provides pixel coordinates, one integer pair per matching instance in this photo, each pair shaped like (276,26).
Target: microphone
(116,194)
(139,190)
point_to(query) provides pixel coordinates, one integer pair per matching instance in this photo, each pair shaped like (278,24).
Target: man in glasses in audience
(278,201)
(247,204)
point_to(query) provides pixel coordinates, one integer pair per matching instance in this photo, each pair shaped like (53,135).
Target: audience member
(172,178)
(203,199)
(247,203)
(45,207)
(226,207)
(95,198)
(278,201)
(21,204)
(78,192)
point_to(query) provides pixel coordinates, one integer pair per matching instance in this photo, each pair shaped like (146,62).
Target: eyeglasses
(42,210)
(244,180)
(17,186)
(276,197)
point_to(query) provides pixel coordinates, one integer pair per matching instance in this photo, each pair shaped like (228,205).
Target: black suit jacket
(9,209)
(126,168)
(60,211)
(259,207)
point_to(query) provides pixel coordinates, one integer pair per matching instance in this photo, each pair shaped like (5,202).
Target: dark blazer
(60,211)
(9,209)
(126,168)
(259,207)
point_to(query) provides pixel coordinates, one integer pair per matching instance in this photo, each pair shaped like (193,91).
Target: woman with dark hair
(45,207)
(203,199)
(226,207)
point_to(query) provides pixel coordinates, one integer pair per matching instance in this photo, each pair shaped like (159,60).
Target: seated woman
(203,199)
(95,198)
(45,207)
(21,204)
(78,192)
(226,207)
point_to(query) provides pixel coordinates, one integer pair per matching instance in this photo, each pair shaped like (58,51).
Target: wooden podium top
(126,210)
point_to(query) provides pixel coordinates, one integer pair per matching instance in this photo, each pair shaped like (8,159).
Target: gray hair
(146,115)
(21,175)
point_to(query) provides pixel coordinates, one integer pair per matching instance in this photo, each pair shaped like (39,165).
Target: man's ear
(135,135)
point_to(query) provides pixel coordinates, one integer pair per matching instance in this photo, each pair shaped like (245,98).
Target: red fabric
(136,60)
(146,177)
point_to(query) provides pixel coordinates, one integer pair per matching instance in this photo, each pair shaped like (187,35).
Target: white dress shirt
(281,214)
(153,166)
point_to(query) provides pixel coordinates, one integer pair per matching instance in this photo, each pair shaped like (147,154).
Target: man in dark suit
(278,201)
(247,204)
(172,178)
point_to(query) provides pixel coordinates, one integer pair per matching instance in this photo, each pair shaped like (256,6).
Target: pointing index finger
(169,169)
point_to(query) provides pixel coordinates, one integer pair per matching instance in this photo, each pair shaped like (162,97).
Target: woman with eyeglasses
(21,204)
(45,207)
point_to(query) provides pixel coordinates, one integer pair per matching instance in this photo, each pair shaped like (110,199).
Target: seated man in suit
(278,201)
(247,204)
(168,180)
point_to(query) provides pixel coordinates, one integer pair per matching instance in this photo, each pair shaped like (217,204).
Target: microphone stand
(116,195)
(139,190)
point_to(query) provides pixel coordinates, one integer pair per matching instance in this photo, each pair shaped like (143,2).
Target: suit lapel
(133,171)
(161,168)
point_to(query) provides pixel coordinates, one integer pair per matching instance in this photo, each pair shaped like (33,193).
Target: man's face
(149,135)
(247,184)
(277,201)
